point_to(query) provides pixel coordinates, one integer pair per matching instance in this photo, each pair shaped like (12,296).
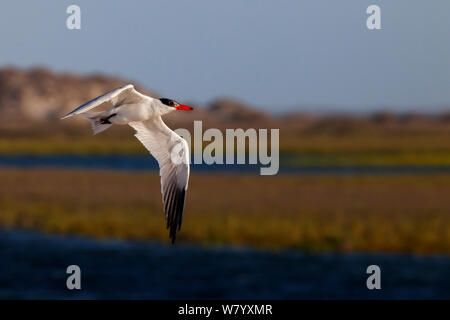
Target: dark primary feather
(174,199)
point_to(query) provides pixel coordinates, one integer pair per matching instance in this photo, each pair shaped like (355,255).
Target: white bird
(143,114)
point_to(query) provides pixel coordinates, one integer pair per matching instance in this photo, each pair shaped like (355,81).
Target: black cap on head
(168,102)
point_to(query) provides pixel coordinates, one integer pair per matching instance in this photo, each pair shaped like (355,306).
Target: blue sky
(279,55)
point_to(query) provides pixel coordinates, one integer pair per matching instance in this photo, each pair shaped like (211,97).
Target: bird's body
(143,114)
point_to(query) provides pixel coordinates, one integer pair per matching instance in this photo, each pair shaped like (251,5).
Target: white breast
(132,113)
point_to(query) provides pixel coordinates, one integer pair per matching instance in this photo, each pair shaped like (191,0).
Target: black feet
(106,120)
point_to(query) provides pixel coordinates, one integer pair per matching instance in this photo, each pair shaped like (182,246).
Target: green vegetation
(386,147)
(364,147)
(390,213)
(327,213)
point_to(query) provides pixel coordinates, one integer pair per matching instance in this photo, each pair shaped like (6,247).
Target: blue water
(146,162)
(33,266)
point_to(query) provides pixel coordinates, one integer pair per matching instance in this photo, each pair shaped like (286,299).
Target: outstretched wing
(123,95)
(172,153)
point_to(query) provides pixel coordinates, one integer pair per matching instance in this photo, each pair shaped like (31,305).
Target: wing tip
(66,116)
(174,214)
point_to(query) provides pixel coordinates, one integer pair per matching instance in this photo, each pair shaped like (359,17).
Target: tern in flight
(143,114)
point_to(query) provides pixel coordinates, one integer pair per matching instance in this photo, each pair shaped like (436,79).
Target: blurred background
(364,123)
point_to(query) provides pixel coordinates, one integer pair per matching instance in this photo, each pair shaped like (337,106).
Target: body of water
(146,162)
(33,266)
